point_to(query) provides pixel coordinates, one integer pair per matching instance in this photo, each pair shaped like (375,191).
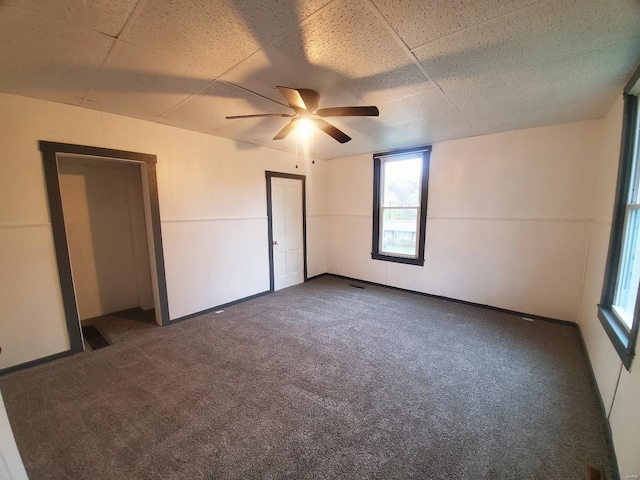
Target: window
(400,184)
(618,309)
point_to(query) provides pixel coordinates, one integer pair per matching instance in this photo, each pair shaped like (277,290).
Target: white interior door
(288,236)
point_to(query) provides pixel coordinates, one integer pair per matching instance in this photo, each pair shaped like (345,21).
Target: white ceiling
(437,70)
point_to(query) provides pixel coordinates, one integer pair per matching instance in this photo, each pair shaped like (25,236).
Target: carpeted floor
(321,380)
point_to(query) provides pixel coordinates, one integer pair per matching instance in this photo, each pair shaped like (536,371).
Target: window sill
(617,334)
(405,260)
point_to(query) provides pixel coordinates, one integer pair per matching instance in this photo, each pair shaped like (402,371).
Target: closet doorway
(105,221)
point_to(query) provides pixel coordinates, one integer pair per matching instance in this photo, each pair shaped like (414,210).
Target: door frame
(50,152)
(269,175)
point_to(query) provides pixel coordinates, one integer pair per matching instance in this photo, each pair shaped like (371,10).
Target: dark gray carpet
(321,380)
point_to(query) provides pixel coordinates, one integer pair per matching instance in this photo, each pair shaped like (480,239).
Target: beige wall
(507,226)
(620,389)
(212,194)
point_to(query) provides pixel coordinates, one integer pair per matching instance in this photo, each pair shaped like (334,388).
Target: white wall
(620,398)
(507,225)
(212,194)
(105,227)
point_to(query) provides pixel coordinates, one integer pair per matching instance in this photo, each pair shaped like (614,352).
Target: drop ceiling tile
(211,36)
(357,146)
(371,135)
(568,110)
(400,82)
(260,130)
(215,36)
(419,22)
(587,22)
(380,138)
(551,90)
(530,34)
(103,16)
(144,82)
(361,130)
(209,108)
(270,67)
(433,120)
(430,111)
(269,20)
(118,109)
(48,60)
(491,46)
(348,43)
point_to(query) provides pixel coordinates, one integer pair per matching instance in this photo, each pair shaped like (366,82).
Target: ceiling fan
(304,103)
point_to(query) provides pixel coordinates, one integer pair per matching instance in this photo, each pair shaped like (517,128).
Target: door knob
(275,242)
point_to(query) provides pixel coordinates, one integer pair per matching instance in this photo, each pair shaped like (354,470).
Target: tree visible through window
(400,199)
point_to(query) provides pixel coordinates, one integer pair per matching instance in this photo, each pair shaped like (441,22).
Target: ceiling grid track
(415,60)
(117,41)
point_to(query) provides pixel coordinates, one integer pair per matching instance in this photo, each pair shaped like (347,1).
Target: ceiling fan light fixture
(307,116)
(304,127)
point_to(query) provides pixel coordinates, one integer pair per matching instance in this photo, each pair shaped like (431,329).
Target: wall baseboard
(219,307)
(454,300)
(37,361)
(308,279)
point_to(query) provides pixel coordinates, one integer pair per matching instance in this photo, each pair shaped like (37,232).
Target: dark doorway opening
(53,155)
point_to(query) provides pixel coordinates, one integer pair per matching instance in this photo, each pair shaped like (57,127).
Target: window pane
(629,272)
(402,183)
(399,231)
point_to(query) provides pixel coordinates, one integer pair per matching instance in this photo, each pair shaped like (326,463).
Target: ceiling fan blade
(256,115)
(301,99)
(329,129)
(310,98)
(293,97)
(348,112)
(285,131)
